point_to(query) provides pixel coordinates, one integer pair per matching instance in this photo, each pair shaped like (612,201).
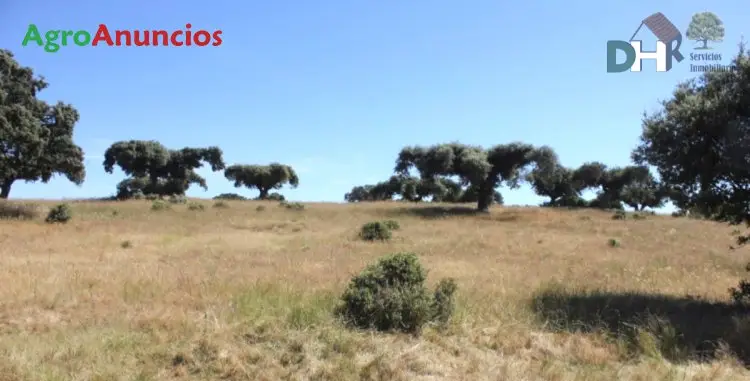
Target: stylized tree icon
(704,27)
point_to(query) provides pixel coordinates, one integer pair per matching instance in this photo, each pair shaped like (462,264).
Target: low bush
(443,303)
(221,204)
(230,196)
(390,295)
(276,197)
(59,214)
(375,231)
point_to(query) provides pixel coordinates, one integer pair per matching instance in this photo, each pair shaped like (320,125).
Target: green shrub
(126,244)
(196,206)
(59,214)
(152,197)
(221,204)
(639,216)
(390,295)
(17,211)
(613,242)
(392,224)
(177,199)
(230,196)
(260,208)
(444,303)
(373,231)
(276,197)
(158,205)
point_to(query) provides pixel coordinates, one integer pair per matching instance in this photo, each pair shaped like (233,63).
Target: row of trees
(699,144)
(460,173)
(154,169)
(415,189)
(36,142)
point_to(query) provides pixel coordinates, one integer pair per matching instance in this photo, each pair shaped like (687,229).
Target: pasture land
(123,292)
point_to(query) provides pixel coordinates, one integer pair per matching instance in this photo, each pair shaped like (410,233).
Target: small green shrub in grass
(59,214)
(375,231)
(390,295)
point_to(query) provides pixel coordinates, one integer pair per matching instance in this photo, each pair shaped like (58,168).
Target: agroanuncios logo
(52,40)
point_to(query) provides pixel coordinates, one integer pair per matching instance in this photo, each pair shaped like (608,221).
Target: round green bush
(373,231)
(59,214)
(388,296)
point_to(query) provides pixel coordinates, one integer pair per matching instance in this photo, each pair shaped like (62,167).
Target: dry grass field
(122,292)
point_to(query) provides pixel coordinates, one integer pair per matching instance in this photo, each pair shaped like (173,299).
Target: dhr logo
(668,43)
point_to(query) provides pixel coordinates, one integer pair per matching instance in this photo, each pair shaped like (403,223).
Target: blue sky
(337,88)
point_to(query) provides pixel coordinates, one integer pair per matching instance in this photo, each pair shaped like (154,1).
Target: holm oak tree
(36,139)
(699,142)
(558,184)
(155,169)
(264,178)
(484,169)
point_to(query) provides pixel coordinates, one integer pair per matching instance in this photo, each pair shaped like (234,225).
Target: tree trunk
(705,44)
(484,198)
(263,193)
(5,188)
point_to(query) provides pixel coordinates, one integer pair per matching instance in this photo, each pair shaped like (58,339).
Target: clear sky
(336,88)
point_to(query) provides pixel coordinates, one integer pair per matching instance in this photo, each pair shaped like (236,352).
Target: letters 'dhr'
(668,44)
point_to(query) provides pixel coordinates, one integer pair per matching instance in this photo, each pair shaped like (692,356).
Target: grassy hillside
(122,292)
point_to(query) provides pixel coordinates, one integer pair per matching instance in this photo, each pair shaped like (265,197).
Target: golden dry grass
(244,294)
